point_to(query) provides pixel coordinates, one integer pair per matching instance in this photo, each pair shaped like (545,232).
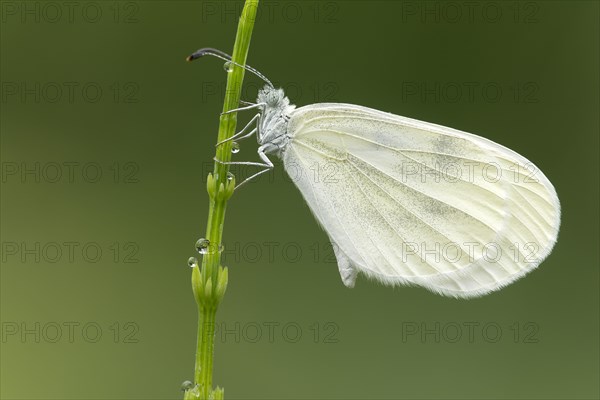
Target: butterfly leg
(266,164)
(250,107)
(241,134)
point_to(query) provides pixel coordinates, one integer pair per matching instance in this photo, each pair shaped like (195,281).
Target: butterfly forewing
(410,202)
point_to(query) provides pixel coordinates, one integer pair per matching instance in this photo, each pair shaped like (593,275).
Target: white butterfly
(410,202)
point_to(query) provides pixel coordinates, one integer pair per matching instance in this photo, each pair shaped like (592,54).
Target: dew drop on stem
(203,245)
(186,385)
(192,262)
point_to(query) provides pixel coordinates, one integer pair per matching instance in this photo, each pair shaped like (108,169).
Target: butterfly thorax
(274,119)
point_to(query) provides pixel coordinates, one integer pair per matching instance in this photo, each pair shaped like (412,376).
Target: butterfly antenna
(207,51)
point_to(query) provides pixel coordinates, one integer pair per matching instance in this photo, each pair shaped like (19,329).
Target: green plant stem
(209,280)
(206,333)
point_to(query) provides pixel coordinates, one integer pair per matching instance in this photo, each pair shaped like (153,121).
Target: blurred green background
(107,136)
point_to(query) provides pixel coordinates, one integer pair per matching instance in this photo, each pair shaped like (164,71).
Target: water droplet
(235,147)
(230,176)
(192,262)
(202,245)
(186,385)
(228,66)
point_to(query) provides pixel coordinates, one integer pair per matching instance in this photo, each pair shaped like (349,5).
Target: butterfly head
(275,116)
(272,98)
(275,103)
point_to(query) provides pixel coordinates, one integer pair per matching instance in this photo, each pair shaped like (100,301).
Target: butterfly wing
(409,202)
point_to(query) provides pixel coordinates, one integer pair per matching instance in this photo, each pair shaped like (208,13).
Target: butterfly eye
(273,98)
